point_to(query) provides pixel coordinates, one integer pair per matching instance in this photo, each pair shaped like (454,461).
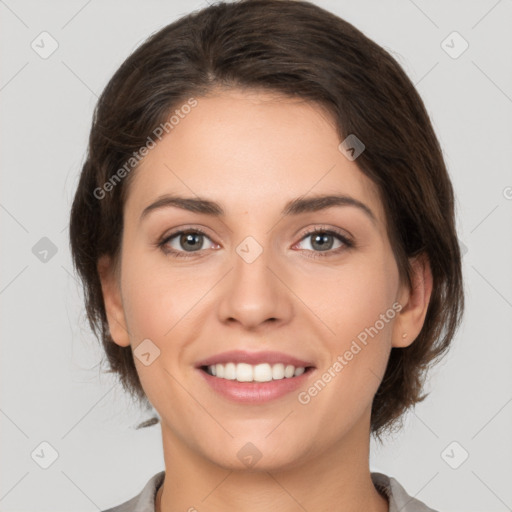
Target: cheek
(155,297)
(360,312)
(159,305)
(357,295)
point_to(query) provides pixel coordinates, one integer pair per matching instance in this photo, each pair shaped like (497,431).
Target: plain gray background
(52,390)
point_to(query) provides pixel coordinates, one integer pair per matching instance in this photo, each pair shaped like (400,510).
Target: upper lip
(253,358)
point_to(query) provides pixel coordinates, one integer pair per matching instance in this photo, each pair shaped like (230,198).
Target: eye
(322,241)
(182,242)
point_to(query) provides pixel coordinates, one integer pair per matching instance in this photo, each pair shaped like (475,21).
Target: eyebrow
(294,207)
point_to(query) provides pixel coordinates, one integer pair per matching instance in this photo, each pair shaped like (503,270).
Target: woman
(265,231)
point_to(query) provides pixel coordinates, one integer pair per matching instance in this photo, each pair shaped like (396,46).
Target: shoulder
(145,500)
(398,498)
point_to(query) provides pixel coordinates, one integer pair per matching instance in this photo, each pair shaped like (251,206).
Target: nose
(254,294)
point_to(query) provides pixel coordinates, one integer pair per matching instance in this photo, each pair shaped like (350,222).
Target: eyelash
(347,244)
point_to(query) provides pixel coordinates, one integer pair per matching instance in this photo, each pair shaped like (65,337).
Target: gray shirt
(399,500)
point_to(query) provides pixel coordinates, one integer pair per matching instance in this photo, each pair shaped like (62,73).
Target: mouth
(255,378)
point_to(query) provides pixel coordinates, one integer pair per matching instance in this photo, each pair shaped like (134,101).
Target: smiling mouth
(264,372)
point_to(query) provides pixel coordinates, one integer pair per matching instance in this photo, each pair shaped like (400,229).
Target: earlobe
(113,303)
(414,301)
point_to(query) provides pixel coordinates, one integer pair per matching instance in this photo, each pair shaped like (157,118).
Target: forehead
(250,150)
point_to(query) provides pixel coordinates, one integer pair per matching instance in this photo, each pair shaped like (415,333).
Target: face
(293,284)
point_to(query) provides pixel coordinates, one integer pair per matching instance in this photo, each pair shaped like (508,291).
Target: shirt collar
(399,500)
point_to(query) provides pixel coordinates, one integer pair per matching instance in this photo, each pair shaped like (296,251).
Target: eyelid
(326,228)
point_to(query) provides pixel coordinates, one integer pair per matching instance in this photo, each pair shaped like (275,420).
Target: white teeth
(299,371)
(262,372)
(243,372)
(230,371)
(289,371)
(278,371)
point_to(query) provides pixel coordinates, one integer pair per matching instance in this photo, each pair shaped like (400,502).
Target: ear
(112,299)
(414,303)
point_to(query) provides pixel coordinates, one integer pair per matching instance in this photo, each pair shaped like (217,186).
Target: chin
(258,455)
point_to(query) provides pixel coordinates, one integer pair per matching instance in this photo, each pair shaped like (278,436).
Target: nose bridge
(253,294)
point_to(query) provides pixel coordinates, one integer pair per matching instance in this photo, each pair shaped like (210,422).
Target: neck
(337,479)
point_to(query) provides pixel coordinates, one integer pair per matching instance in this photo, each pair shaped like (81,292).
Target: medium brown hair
(300,50)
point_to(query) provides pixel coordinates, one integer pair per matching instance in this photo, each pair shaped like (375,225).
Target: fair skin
(252,152)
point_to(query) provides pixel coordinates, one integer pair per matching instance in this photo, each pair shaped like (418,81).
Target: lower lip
(255,392)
